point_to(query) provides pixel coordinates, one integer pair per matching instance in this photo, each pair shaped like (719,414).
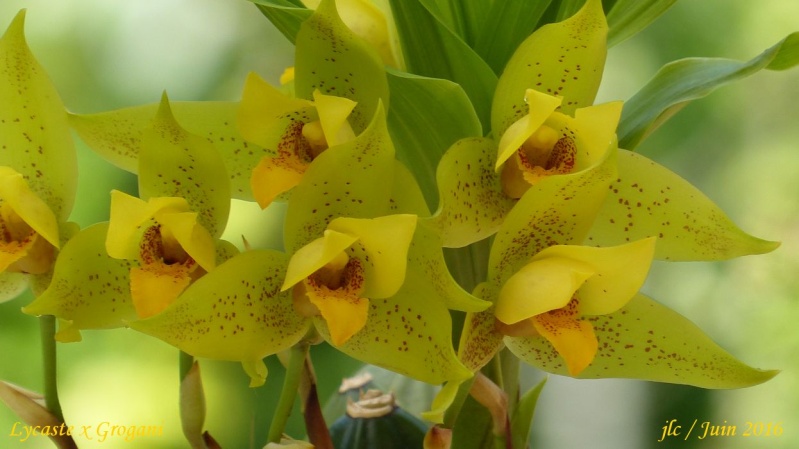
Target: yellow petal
(261,105)
(316,255)
(14,192)
(620,272)
(192,237)
(11,252)
(333,112)
(597,127)
(574,339)
(541,107)
(155,287)
(382,248)
(343,309)
(128,217)
(540,286)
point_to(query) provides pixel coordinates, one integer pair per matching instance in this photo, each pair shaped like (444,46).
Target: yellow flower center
(543,154)
(21,248)
(334,292)
(166,270)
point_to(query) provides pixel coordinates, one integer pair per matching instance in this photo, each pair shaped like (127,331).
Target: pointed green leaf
(236,312)
(176,163)
(12,285)
(332,59)
(522,419)
(350,180)
(558,210)
(427,115)
(504,27)
(648,200)
(432,49)
(468,17)
(472,205)
(680,82)
(648,341)
(627,17)
(34,133)
(89,289)
(564,59)
(409,333)
(285,15)
(116,136)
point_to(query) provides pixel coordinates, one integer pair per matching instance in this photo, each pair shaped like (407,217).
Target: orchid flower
(150,251)
(38,168)
(543,98)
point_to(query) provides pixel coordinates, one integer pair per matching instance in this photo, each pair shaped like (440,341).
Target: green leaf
(34,133)
(558,210)
(522,419)
(469,17)
(89,290)
(236,312)
(627,17)
(680,82)
(504,27)
(427,115)
(176,163)
(564,59)
(285,15)
(116,136)
(648,200)
(332,59)
(472,205)
(433,50)
(354,179)
(645,340)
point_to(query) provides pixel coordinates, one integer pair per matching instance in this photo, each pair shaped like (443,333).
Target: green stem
(289,393)
(47,326)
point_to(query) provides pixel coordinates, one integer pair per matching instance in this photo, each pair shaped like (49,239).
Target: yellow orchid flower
(29,227)
(546,142)
(562,284)
(296,131)
(335,275)
(163,235)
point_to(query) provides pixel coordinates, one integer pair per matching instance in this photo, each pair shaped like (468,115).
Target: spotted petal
(89,289)
(409,333)
(557,210)
(564,59)
(332,59)
(472,205)
(17,195)
(354,179)
(176,163)
(237,312)
(645,340)
(34,133)
(648,200)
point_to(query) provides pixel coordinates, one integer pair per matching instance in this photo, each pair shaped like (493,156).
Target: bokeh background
(740,146)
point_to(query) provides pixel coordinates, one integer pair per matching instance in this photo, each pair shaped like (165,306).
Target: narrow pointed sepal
(34,132)
(645,340)
(176,163)
(648,200)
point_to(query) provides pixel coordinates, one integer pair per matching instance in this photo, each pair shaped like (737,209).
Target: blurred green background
(740,146)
